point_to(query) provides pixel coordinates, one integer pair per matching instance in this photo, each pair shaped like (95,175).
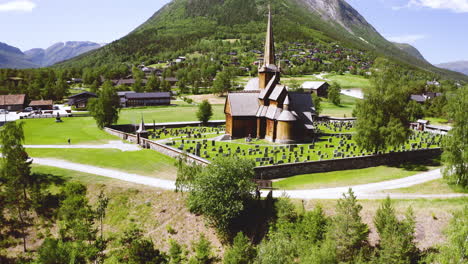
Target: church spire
(269,43)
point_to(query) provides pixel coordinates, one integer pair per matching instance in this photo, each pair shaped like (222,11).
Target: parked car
(56,107)
(3,112)
(28,109)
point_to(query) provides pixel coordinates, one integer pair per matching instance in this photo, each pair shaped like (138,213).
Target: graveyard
(334,140)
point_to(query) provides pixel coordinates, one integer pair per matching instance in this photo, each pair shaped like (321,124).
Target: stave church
(268,110)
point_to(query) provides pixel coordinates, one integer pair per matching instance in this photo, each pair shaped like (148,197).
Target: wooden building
(147,99)
(42,104)
(270,111)
(13,102)
(318,88)
(81,100)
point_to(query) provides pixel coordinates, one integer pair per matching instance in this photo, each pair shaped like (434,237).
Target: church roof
(243,103)
(268,89)
(269,44)
(273,112)
(302,106)
(279,89)
(287,116)
(252,84)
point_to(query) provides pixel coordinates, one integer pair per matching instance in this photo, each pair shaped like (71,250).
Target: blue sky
(438,28)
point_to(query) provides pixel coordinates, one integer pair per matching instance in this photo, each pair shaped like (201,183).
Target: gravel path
(355,92)
(365,191)
(111,145)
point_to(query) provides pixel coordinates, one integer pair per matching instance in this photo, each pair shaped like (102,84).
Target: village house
(269,111)
(318,88)
(146,99)
(422,98)
(13,102)
(81,100)
(42,104)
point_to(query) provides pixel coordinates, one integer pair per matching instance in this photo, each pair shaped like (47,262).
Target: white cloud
(457,6)
(17,5)
(409,38)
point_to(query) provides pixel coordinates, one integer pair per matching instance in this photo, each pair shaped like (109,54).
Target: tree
(18,183)
(241,251)
(415,110)
(203,252)
(317,103)
(176,253)
(138,250)
(205,112)
(454,251)
(222,190)
(102,203)
(347,230)
(334,93)
(222,83)
(382,119)
(153,84)
(396,237)
(455,145)
(105,108)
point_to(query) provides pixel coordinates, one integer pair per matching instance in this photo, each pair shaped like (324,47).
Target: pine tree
(241,251)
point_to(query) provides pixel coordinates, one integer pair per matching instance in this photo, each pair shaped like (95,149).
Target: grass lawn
(344,178)
(438,186)
(79,129)
(163,114)
(143,162)
(348,81)
(437,121)
(345,109)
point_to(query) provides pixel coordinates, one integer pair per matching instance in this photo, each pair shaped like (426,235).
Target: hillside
(11,57)
(411,51)
(181,25)
(59,52)
(458,66)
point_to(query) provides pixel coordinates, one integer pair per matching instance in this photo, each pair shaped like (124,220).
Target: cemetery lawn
(437,121)
(344,178)
(143,162)
(344,109)
(348,81)
(81,130)
(165,114)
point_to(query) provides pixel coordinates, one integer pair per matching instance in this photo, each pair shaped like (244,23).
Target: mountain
(59,52)
(11,57)
(410,50)
(458,66)
(181,25)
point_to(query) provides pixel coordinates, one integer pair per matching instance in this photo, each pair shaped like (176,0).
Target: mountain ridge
(458,66)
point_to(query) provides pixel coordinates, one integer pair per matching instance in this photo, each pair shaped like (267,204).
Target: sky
(438,28)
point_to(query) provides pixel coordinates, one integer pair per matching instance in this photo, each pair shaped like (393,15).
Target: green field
(345,109)
(344,178)
(143,162)
(348,81)
(164,114)
(79,129)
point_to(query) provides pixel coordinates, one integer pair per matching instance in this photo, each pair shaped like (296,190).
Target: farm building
(270,111)
(81,100)
(146,99)
(318,88)
(42,104)
(12,102)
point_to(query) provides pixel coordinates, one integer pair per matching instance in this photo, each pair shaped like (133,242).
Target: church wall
(228,124)
(243,127)
(270,130)
(286,132)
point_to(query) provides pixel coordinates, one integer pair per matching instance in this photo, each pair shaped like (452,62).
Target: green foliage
(205,112)
(241,252)
(455,155)
(176,253)
(334,93)
(135,249)
(203,252)
(382,119)
(222,83)
(415,111)
(317,104)
(222,190)
(105,108)
(396,237)
(456,249)
(347,230)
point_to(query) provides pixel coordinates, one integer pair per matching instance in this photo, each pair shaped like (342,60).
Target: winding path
(365,191)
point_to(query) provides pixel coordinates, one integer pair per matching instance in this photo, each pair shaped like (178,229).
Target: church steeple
(269,43)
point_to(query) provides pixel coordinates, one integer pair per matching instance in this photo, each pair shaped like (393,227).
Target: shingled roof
(41,102)
(243,103)
(12,99)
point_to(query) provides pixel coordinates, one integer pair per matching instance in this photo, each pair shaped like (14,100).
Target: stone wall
(161,148)
(288,170)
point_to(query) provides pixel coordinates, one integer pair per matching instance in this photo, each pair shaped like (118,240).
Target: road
(365,191)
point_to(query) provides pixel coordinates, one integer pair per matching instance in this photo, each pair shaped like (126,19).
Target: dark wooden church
(271,111)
